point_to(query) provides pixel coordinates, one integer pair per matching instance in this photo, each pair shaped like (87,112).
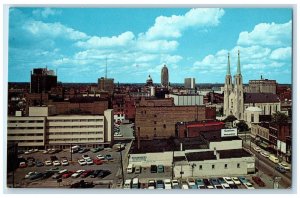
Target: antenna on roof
(106,68)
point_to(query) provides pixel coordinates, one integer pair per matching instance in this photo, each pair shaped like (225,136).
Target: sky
(137,42)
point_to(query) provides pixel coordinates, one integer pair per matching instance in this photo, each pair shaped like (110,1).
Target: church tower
(227,90)
(238,92)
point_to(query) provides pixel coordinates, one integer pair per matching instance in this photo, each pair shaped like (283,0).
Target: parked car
(89,161)
(236,180)
(56,163)
(29,174)
(108,157)
(248,185)
(243,180)
(285,166)
(86,173)
(208,184)
(47,174)
(77,173)
(68,174)
(56,176)
(280,169)
(22,165)
(184,185)
(82,162)
(95,150)
(160,184)
(259,182)
(191,183)
(98,161)
(228,180)
(95,173)
(160,168)
(199,183)
(175,184)
(216,183)
(257,149)
(48,163)
(100,157)
(65,162)
(36,176)
(167,183)
(39,164)
(104,173)
(153,169)
(83,150)
(265,154)
(137,169)
(30,163)
(85,157)
(151,184)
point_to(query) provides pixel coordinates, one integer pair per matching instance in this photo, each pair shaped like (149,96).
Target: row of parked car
(191,183)
(87,160)
(55,173)
(31,162)
(282,167)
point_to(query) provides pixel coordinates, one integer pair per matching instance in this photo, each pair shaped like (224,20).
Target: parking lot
(112,165)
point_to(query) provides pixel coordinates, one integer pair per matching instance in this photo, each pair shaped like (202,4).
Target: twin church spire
(238,72)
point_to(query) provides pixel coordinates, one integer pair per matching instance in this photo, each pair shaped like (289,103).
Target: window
(164,126)
(155,115)
(238,165)
(252,117)
(225,166)
(213,166)
(200,167)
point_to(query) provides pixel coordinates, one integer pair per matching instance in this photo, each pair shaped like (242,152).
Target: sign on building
(281,146)
(228,132)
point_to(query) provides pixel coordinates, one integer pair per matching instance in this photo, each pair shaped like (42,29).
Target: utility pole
(122,164)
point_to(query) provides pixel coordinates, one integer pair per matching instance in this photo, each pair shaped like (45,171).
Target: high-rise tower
(164,76)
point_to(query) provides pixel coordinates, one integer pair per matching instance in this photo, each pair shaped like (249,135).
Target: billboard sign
(228,132)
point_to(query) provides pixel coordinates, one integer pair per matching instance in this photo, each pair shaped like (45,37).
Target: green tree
(280,118)
(230,118)
(242,126)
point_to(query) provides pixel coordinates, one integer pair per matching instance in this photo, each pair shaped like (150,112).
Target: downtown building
(44,129)
(164,76)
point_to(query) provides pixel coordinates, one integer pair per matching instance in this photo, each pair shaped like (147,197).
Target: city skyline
(77,42)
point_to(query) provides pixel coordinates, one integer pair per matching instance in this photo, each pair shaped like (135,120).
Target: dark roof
(234,153)
(179,158)
(215,136)
(200,156)
(260,98)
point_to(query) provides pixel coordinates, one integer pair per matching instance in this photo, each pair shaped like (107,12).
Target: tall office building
(106,84)
(164,76)
(189,83)
(42,80)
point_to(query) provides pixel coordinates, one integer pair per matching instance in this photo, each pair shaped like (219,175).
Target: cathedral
(233,92)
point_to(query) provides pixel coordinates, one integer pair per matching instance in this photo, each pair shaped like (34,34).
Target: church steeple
(238,64)
(228,66)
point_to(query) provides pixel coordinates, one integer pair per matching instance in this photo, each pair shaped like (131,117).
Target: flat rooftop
(215,136)
(224,154)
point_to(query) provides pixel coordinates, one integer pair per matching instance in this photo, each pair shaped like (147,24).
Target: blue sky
(138,42)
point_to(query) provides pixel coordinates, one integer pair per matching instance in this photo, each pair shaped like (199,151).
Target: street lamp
(193,166)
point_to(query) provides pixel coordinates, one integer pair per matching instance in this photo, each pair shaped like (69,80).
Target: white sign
(228,132)
(281,146)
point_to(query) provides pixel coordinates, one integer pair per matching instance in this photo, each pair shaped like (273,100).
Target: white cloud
(44,13)
(268,34)
(52,30)
(281,53)
(173,26)
(95,42)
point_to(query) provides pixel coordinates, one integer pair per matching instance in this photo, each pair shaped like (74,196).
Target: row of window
(12,128)
(79,120)
(225,166)
(77,133)
(20,141)
(25,121)
(78,140)
(64,127)
(27,134)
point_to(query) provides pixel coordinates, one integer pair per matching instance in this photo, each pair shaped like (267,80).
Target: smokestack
(181,146)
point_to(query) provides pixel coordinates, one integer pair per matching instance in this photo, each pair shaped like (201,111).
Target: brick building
(160,121)
(195,129)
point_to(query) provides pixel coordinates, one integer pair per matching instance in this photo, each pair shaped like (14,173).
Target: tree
(242,126)
(279,118)
(230,118)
